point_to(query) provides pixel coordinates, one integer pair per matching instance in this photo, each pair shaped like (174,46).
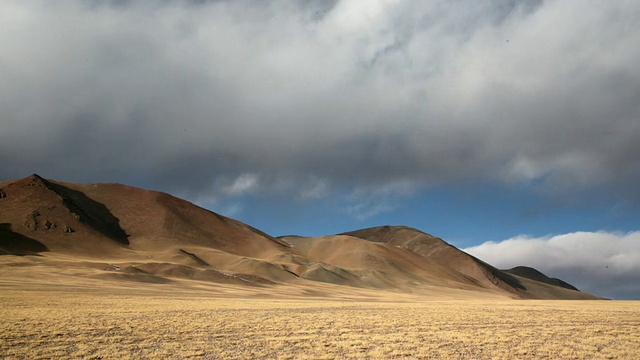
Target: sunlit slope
(483,275)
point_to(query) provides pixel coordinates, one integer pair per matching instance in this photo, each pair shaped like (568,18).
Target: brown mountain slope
(65,216)
(55,231)
(17,244)
(381,265)
(484,275)
(131,226)
(57,217)
(157,220)
(437,250)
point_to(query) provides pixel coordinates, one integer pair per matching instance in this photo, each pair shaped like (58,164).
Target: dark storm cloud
(204,97)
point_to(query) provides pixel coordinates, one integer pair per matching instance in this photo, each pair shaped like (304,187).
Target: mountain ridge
(537,275)
(156,237)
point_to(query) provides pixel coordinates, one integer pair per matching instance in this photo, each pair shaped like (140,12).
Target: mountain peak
(25,186)
(33,180)
(386,233)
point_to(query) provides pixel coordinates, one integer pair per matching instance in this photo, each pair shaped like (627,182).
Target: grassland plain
(110,324)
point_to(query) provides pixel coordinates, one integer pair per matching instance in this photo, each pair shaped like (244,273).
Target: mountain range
(54,232)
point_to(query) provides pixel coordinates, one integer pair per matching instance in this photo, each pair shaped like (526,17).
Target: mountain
(53,231)
(533,274)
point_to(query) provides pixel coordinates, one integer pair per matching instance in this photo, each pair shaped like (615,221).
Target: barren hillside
(52,231)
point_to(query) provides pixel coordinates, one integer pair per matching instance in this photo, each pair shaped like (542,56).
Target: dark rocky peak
(32,181)
(35,180)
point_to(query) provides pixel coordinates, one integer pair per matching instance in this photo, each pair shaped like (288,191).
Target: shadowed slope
(91,212)
(174,231)
(12,243)
(533,274)
(157,221)
(88,221)
(62,219)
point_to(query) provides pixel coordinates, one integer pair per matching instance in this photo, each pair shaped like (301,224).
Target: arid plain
(106,271)
(233,323)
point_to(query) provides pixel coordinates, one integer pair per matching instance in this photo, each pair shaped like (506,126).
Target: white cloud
(603,263)
(243,184)
(315,188)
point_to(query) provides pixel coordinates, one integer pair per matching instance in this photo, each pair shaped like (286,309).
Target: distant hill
(115,233)
(533,274)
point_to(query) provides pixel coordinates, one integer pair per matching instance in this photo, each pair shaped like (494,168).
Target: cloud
(603,263)
(365,203)
(356,95)
(314,188)
(244,184)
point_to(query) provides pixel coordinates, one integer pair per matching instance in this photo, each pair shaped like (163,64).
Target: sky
(509,128)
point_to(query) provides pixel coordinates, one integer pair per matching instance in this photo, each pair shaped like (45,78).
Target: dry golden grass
(105,324)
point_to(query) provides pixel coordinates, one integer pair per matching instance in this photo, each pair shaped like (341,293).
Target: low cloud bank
(602,263)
